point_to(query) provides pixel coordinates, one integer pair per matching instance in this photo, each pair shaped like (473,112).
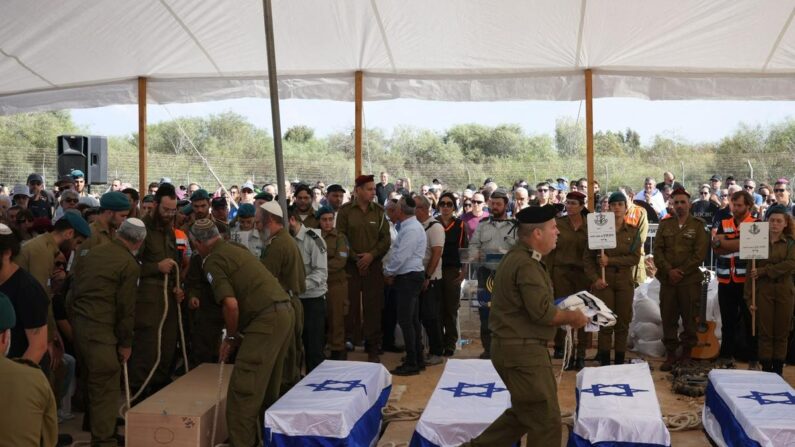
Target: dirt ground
(414,393)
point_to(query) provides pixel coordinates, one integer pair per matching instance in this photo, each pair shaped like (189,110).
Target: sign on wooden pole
(754,244)
(601,233)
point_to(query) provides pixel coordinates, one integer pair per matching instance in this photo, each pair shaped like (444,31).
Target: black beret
(335,188)
(536,214)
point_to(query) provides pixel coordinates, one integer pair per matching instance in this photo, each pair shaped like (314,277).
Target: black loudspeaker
(86,153)
(97,160)
(72,154)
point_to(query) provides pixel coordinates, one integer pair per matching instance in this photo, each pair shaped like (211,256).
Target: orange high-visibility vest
(730,267)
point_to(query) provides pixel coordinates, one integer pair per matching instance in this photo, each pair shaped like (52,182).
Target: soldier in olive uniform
(302,201)
(29,416)
(775,293)
(363,223)
(522,321)
(158,254)
(114,208)
(259,322)
(637,217)
(337,295)
(281,257)
(566,268)
(207,320)
(679,249)
(617,289)
(104,291)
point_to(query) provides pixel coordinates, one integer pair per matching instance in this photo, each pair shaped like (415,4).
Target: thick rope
(683,421)
(392,413)
(126,406)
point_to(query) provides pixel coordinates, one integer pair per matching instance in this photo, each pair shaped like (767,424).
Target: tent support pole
(589,169)
(142,185)
(357,137)
(273,88)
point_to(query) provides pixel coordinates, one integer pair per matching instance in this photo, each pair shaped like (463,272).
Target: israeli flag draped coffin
(338,404)
(467,399)
(617,405)
(749,408)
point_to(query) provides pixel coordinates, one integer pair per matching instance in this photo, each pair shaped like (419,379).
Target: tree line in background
(463,154)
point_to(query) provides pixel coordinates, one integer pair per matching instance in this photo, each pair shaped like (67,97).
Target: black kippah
(165,190)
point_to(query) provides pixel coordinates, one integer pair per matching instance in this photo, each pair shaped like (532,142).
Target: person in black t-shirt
(42,202)
(29,336)
(383,189)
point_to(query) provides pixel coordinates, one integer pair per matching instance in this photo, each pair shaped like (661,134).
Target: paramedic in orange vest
(731,270)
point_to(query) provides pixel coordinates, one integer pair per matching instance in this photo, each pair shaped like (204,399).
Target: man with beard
(303,206)
(158,256)
(113,209)
(41,201)
(147,205)
(335,194)
(200,202)
(493,237)
(363,222)
(280,255)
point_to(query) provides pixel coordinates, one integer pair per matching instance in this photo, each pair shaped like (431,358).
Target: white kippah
(5,230)
(135,222)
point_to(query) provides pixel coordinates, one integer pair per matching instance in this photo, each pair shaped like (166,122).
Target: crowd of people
(91,284)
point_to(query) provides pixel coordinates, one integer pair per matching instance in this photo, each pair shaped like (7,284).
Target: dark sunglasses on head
(477,202)
(445,204)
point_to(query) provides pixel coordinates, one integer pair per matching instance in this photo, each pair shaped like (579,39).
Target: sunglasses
(477,202)
(445,204)
(704,193)
(779,190)
(467,205)
(71,200)
(748,187)
(542,190)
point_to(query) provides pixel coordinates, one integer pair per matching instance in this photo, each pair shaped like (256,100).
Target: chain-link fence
(611,172)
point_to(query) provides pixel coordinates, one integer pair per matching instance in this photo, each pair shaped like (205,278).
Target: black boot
(579,363)
(778,367)
(619,358)
(557,353)
(767,365)
(603,357)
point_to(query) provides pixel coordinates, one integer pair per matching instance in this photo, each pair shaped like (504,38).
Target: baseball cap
(35,178)
(248,185)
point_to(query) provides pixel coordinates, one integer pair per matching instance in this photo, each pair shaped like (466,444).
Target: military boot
(603,357)
(778,367)
(668,364)
(619,358)
(767,365)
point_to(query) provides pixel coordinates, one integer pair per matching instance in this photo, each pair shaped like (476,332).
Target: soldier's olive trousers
(450,302)
(568,280)
(618,297)
(149,308)
(103,370)
(336,306)
(256,378)
(527,373)
(773,322)
(681,300)
(205,336)
(294,357)
(366,298)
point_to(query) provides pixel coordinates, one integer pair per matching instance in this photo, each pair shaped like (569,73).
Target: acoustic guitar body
(708,346)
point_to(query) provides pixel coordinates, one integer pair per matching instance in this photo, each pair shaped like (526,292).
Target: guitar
(707,347)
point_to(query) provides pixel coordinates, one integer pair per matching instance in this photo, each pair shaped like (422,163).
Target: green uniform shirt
(196,285)
(681,248)
(104,290)
(337,251)
(283,260)
(160,243)
(625,255)
(100,234)
(366,231)
(571,244)
(233,271)
(776,271)
(29,418)
(37,257)
(309,221)
(522,304)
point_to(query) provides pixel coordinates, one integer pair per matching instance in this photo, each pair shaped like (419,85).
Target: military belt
(520,341)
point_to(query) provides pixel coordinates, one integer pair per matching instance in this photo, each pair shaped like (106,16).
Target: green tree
(569,137)
(27,130)
(299,134)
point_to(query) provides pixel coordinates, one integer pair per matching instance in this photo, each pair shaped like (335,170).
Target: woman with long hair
(775,292)
(455,238)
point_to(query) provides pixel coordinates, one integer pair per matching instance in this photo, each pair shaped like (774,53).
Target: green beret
(77,223)
(200,194)
(266,196)
(187,209)
(246,210)
(536,214)
(8,317)
(149,198)
(76,174)
(617,196)
(325,209)
(114,201)
(777,209)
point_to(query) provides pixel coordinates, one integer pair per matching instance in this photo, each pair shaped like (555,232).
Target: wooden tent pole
(142,184)
(589,170)
(357,138)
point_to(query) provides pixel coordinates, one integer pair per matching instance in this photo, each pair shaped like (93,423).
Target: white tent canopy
(88,53)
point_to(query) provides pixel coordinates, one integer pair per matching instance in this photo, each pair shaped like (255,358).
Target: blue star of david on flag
(338,385)
(486,389)
(785,398)
(620,389)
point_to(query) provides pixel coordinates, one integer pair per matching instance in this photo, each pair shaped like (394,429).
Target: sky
(694,121)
